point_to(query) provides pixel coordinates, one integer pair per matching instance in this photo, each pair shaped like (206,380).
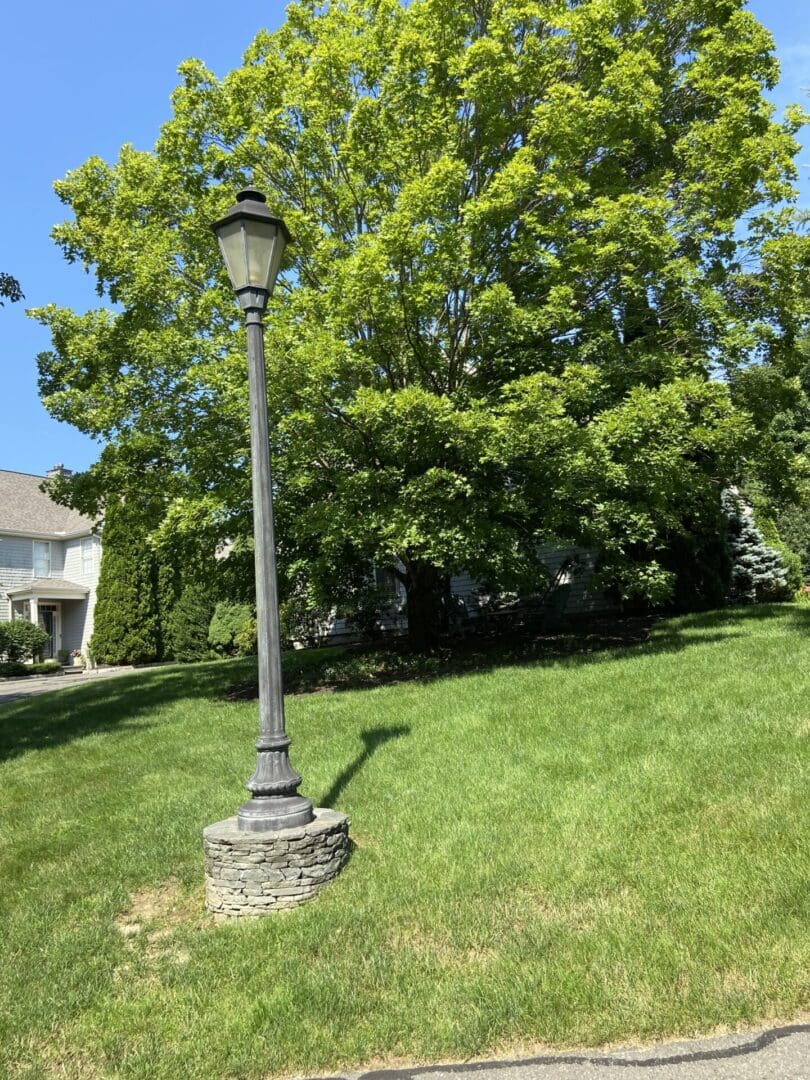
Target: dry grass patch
(530,906)
(437,948)
(56,1059)
(155,914)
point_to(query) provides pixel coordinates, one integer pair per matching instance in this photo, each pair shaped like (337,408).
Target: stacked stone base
(248,874)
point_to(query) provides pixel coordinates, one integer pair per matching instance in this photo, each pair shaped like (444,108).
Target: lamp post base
(269,813)
(252,874)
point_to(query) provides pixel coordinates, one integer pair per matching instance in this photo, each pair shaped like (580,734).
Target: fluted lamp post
(252,244)
(278,850)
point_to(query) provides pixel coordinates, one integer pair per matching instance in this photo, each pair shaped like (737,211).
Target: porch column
(34,609)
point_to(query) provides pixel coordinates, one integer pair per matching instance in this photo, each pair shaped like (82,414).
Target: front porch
(59,607)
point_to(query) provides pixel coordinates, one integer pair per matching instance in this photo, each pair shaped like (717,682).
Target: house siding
(582,599)
(16,568)
(74,625)
(28,516)
(82,611)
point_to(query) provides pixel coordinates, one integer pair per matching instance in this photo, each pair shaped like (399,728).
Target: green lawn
(578,851)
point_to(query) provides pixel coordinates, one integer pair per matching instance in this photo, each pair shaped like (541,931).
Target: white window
(42,558)
(88,554)
(386,581)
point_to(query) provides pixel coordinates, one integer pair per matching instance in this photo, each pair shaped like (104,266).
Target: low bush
(21,640)
(12,669)
(48,667)
(228,623)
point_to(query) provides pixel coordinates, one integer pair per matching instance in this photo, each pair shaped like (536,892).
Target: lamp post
(252,244)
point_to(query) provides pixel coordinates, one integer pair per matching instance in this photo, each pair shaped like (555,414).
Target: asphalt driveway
(31,685)
(774,1054)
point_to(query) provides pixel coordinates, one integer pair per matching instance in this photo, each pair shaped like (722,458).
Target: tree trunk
(426,594)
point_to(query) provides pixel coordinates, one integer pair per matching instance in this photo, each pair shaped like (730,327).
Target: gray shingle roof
(26,509)
(47,586)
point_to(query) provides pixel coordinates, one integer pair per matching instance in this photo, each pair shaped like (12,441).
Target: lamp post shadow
(372,740)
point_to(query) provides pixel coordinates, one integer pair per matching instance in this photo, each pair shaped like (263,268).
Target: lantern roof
(252,203)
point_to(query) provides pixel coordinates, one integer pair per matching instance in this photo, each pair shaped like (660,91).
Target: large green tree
(539,247)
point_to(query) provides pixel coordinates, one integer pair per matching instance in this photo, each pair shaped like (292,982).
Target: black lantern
(252,243)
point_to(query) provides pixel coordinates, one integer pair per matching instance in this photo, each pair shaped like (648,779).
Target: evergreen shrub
(185,629)
(227,623)
(759,573)
(126,622)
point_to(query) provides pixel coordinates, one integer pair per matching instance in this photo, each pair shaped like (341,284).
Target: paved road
(16,689)
(776,1054)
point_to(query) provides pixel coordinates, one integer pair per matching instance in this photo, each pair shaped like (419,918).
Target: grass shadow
(124,702)
(372,741)
(603,639)
(121,703)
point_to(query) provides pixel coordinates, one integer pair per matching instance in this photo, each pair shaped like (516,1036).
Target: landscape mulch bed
(365,666)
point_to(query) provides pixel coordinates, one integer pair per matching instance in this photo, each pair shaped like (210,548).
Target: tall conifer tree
(126,621)
(758,571)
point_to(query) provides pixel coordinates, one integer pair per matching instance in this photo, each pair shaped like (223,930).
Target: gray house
(571,571)
(49,563)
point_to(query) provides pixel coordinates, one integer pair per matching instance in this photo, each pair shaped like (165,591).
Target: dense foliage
(793,524)
(9,289)
(528,238)
(786,524)
(185,627)
(231,624)
(126,627)
(791,560)
(21,640)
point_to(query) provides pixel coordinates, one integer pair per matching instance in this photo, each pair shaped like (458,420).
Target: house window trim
(34,558)
(88,562)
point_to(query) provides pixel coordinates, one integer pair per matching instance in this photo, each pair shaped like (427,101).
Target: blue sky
(82,78)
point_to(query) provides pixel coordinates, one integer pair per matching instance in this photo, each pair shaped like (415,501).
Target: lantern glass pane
(262,240)
(275,262)
(232,238)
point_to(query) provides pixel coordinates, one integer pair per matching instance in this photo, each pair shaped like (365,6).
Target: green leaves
(528,237)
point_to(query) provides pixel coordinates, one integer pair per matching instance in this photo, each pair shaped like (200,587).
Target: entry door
(49,621)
